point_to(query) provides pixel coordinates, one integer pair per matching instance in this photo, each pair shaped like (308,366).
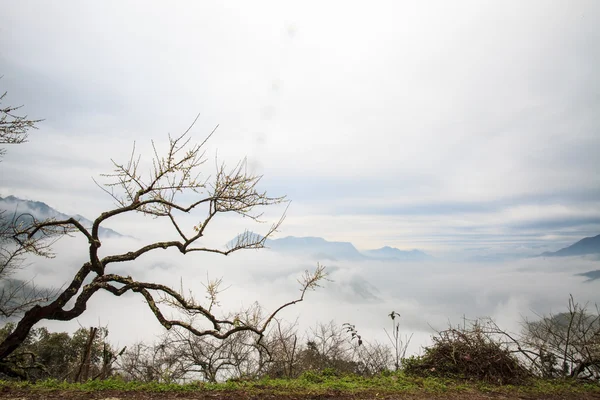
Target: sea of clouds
(427,295)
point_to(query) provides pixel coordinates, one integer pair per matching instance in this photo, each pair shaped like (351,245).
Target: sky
(432,125)
(450,127)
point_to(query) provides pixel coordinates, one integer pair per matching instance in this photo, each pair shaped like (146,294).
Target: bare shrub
(568,343)
(281,351)
(468,352)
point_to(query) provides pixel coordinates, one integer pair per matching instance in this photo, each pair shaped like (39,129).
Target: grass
(315,383)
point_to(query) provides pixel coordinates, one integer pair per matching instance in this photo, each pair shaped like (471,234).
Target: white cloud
(363,293)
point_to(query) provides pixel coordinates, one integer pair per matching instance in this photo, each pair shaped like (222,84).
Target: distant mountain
(321,249)
(591,275)
(588,245)
(315,247)
(394,254)
(41,211)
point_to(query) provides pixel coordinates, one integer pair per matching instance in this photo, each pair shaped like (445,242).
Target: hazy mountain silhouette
(591,275)
(315,247)
(588,245)
(392,253)
(12,205)
(321,249)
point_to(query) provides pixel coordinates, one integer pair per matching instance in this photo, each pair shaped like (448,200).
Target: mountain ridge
(320,248)
(585,246)
(41,211)
(393,253)
(317,246)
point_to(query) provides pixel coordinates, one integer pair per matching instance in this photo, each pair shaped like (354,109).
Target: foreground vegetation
(557,347)
(324,382)
(464,362)
(563,346)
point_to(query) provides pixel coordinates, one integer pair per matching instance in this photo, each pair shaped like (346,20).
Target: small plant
(400,346)
(351,329)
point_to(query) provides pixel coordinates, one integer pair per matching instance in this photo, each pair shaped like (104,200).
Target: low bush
(467,353)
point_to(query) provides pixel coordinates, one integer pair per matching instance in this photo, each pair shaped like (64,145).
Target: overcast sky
(456,127)
(432,125)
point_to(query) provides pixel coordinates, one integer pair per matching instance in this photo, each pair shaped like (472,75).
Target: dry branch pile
(468,353)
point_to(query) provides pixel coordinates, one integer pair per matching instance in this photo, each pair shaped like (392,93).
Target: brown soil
(14,394)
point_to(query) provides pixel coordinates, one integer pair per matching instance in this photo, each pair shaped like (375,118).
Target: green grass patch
(316,382)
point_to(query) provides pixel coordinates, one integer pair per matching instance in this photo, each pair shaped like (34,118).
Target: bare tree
(13,127)
(181,356)
(210,359)
(156,363)
(326,348)
(16,296)
(173,177)
(282,349)
(327,345)
(372,357)
(566,344)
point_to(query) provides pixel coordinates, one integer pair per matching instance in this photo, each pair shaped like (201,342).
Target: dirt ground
(13,394)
